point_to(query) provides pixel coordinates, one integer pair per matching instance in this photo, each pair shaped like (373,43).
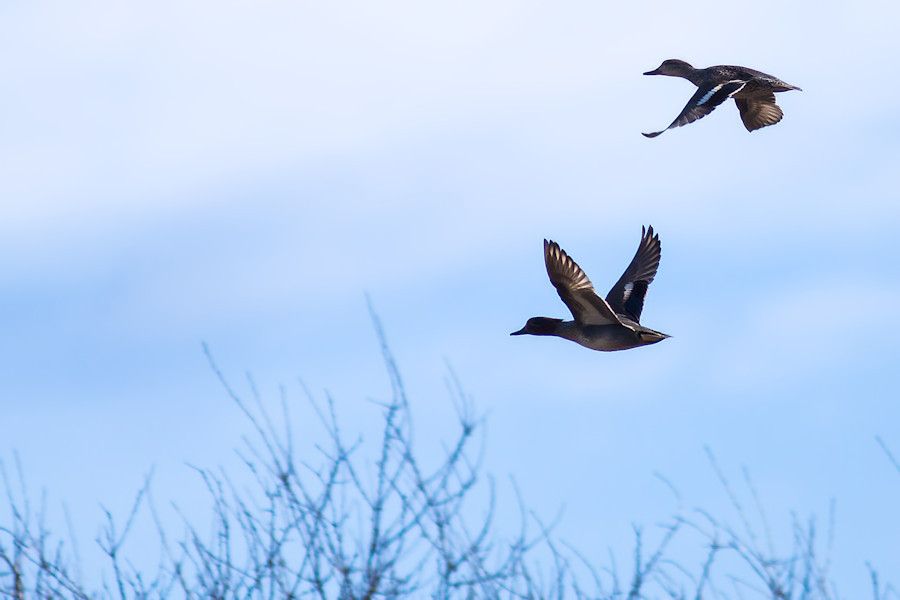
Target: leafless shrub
(340,524)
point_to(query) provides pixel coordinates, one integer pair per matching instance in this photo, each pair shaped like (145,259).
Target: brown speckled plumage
(753,93)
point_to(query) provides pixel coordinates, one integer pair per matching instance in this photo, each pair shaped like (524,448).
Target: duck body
(605,325)
(606,338)
(753,92)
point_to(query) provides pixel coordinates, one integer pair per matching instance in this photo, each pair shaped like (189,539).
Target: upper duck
(753,92)
(611,324)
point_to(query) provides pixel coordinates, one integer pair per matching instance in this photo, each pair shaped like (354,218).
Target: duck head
(539,326)
(673,67)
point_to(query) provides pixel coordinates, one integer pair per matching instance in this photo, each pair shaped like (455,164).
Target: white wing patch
(709,95)
(743,83)
(628,287)
(714,90)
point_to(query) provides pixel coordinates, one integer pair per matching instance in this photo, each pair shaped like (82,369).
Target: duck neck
(693,75)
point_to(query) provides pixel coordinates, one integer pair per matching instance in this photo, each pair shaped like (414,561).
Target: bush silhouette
(332,523)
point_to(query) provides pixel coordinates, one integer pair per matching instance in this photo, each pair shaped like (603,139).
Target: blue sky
(173,173)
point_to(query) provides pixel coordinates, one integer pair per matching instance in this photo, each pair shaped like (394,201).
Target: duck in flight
(607,325)
(753,92)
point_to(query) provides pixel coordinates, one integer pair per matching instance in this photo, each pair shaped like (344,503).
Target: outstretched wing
(759,111)
(703,102)
(627,296)
(575,289)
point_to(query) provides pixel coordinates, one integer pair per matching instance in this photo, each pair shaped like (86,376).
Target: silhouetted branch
(348,520)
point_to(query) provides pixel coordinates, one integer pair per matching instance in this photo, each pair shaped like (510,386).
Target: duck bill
(519,332)
(653,72)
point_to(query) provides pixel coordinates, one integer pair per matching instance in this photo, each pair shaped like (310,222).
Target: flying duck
(753,92)
(607,325)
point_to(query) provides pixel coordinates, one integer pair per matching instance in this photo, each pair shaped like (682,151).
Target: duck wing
(627,295)
(703,102)
(575,289)
(759,111)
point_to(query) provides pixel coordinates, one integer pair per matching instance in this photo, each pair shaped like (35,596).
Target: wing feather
(759,111)
(627,295)
(703,102)
(575,289)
